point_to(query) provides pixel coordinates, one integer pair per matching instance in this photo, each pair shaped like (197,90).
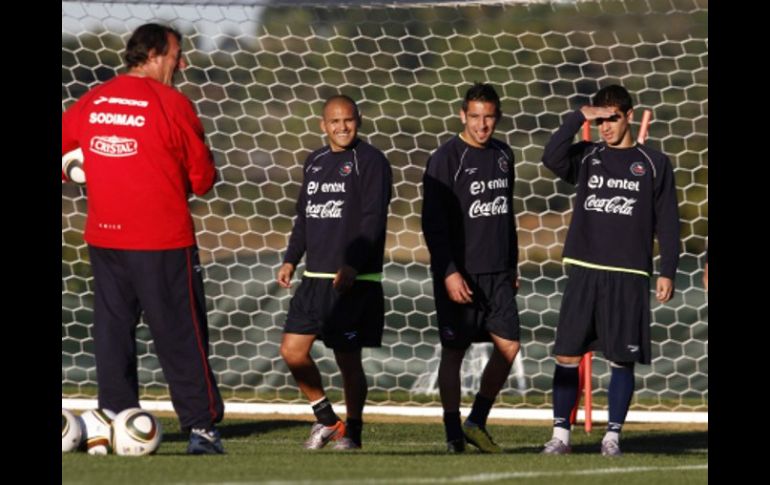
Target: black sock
(353,429)
(452,426)
(324,413)
(480,410)
(619,395)
(565,394)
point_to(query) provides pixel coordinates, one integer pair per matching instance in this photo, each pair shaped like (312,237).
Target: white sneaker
(320,435)
(611,448)
(556,447)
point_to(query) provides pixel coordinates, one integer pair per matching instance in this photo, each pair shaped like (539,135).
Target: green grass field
(408,450)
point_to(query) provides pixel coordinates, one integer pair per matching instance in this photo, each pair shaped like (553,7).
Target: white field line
(482,477)
(598,416)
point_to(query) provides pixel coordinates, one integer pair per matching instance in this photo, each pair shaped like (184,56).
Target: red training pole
(644,127)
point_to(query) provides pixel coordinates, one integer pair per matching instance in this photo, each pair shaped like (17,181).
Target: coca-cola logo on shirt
(613,205)
(331,209)
(487,209)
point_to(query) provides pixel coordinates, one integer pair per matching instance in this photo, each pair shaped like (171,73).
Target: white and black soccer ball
(72,166)
(135,432)
(71,432)
(97,431)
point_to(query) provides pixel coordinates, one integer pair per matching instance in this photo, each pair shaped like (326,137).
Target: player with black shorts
(342,213)
(468,222)
(625,196)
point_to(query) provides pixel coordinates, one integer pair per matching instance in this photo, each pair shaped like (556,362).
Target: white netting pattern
(258,76)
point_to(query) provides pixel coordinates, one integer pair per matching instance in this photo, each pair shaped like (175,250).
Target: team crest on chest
(503,164)
(346,169)
(638,169)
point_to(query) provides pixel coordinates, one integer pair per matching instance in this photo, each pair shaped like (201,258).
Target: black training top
(625,196)
(467,212)
(342,210)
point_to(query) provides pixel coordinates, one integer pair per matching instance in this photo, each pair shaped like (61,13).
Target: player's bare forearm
(594,112)
(285,272)
(458,289)
(664,289)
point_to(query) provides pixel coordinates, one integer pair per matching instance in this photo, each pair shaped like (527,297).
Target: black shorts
(493,310)
(344,321)
(608,311)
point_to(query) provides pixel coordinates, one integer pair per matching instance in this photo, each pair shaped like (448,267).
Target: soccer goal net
(258,76)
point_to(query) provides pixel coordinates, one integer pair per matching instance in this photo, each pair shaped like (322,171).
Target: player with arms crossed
(625,196)
(144,153)
(470,230)
(342,214)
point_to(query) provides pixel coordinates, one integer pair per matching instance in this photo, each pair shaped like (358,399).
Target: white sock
(612,436)
(562,434)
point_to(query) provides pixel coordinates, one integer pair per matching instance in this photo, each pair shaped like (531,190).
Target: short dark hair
(615,96)
(482,92)
(344,98)
(147,38)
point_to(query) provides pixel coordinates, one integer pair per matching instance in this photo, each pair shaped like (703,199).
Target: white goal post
(258,75)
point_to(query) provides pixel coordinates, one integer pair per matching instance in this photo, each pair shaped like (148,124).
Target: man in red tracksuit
(144,152)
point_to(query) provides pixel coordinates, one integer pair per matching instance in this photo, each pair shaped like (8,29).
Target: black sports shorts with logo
(608,311)
(344,321)
(493,310)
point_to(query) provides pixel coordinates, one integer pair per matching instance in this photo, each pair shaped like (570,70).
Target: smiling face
(616,130)
(480,120)
(340,123)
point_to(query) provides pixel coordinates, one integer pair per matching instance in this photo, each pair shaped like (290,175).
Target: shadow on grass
(667,443)
(239,430)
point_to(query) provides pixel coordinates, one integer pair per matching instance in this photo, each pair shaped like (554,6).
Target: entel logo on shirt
(479,186)
(597,182)
(113,146)
(327,187)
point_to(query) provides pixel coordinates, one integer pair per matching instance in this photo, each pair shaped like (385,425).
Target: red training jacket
(144,153)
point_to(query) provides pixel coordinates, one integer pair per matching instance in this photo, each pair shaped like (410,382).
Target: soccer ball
(72,166)
(135,432)
(97,431)
(70,431)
